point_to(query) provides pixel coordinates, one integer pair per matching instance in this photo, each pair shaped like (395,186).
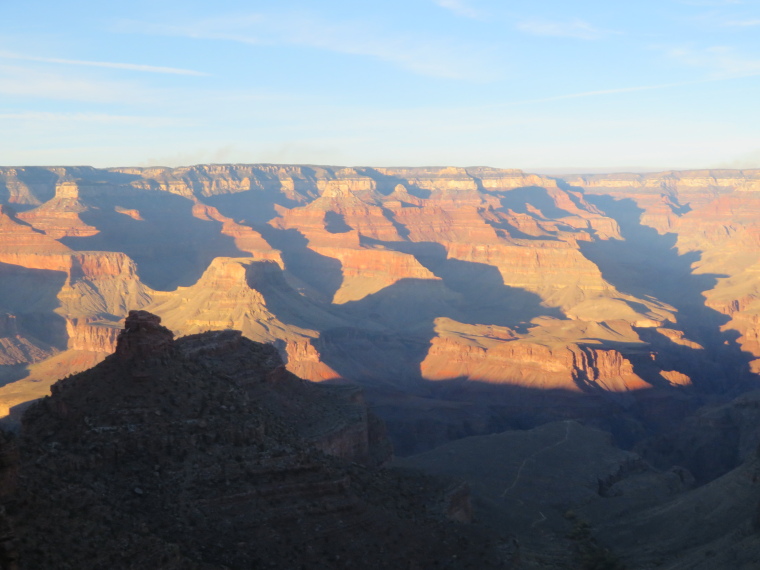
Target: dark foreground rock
(206,453)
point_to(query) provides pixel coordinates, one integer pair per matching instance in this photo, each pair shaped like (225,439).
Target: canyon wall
(391,276)
(710,219)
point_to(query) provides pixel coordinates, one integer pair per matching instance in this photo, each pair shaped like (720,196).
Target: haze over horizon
(551,87)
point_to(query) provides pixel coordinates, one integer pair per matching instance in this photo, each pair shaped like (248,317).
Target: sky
(564,86)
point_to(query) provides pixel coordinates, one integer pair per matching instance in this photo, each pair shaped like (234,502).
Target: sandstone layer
(710,218)
(391,276)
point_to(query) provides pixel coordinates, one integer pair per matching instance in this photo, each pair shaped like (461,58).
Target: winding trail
(539,521)
(534,454)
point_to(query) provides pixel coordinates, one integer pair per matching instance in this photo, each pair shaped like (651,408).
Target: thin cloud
(615,91)
(430,57)
(106,64)
(435,57)
(721,60)
(244,28)
(576,29)
(97,118)
(743,23)
(711,2)
(28,83)
(459,8)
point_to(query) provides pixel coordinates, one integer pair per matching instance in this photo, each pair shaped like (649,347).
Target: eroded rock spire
(143,337)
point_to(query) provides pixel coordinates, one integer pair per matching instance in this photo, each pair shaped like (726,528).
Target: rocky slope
(525,482)
(206,453)
(709,219)
(573,499)
(402,278)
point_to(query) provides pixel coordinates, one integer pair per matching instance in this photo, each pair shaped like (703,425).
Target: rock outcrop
(532,365)
(582,270)
(227,296)
(205,453)
(143,339)
(60,217)
(712,214)
(91,335)
(9,464)
(465,300)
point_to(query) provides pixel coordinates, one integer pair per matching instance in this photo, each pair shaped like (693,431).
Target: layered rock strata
(301,255)
(710,216)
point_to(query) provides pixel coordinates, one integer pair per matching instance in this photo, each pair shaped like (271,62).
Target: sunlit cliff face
(389,276)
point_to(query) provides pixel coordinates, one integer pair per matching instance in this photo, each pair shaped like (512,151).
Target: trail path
(534,454)
(539,521)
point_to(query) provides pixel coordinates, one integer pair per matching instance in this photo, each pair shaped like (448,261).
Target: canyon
(206,452)
(431,287)
(571,360)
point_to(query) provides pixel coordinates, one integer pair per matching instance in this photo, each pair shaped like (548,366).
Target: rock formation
(205,452)
(391,277)
(466,301)
(710,216)
(60,217)
(572,499)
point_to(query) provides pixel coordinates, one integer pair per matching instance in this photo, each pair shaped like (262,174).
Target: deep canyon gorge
(615,315)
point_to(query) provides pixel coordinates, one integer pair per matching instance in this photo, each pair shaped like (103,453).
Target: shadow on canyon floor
(384,337)
(41,184)
(89,176)
(28,299)
(443,411)
(252,207)
(386,183)
(323,274)
(31,296)
(531,198)
(647,264)
(170,246)
(483,296)
(387,335)
(11,373)
(335,223)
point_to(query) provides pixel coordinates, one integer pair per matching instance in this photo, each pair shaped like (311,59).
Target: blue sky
(574,85)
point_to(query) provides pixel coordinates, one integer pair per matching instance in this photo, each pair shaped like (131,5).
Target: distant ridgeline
(444,283)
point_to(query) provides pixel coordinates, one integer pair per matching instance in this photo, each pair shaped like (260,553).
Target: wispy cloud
(430,56)
(599,92)
(722,61)
(743,23)
(614,91)
(29,83)
(244,28)
(107,64)
(94,118)
(710,2)
(575,28)
(459,8)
